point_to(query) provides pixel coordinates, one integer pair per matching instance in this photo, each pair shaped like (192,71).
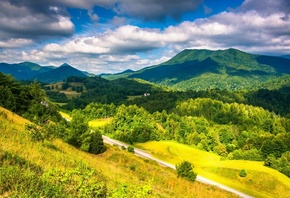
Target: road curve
(144,154)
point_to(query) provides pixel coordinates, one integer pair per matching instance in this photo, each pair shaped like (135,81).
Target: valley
(226,112)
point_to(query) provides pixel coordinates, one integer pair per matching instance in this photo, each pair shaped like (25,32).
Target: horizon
(115,35)
(99,74)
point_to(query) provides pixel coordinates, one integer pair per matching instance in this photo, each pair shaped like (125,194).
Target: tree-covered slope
(24,70)
(225,69)
(58,74)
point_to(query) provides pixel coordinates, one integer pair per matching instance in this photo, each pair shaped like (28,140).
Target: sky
(110,36)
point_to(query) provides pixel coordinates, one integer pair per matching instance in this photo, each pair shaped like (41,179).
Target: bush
(243,173)
(96,145)
(131,149)
(132,167)
(185,170)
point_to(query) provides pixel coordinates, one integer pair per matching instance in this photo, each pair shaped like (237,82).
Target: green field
(71,94)
(99,122)
(260,181)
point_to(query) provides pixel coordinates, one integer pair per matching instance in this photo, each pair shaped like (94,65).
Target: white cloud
(14,43)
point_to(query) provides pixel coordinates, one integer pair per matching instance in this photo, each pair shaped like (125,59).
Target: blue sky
(109,36)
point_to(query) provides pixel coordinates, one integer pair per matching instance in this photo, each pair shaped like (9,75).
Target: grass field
(133,97)
(56,169)
(260,181)
(71,94)
(99,122)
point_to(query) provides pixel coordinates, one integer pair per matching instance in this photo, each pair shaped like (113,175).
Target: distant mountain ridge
(47,74)
(230,69)
(24,70)
(59,74)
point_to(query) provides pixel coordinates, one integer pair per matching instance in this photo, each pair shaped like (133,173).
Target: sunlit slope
(56,169)
(229,69)
(260,180)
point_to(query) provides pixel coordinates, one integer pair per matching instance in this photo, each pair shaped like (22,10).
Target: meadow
(260,181)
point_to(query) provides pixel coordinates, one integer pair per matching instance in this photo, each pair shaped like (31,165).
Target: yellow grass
(99,122)
(260,181)
(65,115)
(112,167)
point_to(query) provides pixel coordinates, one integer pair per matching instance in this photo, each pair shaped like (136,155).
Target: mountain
(58,74)
(122,74)
(225,69)
(286,56)
(24,70)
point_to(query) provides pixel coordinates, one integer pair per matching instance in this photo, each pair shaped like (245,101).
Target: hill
(56,169)
(46,74)
(58,74)
(224,69)
(24,70)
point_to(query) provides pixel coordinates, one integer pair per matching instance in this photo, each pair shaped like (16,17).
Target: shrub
(185,170)
(131,149)
(132,167)
(243,173)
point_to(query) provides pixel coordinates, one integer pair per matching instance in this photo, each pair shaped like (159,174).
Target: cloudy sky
(109,36)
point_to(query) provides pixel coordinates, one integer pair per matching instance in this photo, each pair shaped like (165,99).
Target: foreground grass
(56,169)
(260,181)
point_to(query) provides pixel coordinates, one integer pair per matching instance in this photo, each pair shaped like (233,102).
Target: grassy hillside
(56,169)
(259,182)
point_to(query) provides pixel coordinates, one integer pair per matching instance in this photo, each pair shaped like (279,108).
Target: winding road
(144,154)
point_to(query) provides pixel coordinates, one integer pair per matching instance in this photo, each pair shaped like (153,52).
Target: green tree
(96,143)
(243,173)
(78,127)
(275,147)
(185,170)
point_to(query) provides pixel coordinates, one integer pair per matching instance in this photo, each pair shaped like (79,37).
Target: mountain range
(46,74)
(229,69)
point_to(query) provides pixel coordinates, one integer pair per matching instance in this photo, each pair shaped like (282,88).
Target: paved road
(144,154)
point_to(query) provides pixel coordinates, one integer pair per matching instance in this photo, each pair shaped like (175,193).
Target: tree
(275,147)
(243,173)
(96,143)
(78,127)
(185,170)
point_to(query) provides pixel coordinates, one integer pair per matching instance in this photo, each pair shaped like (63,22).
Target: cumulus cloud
(33,19)
(266,7)
(155,9)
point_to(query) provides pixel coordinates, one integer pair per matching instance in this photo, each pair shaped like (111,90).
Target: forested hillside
(232,130)
(229,69)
